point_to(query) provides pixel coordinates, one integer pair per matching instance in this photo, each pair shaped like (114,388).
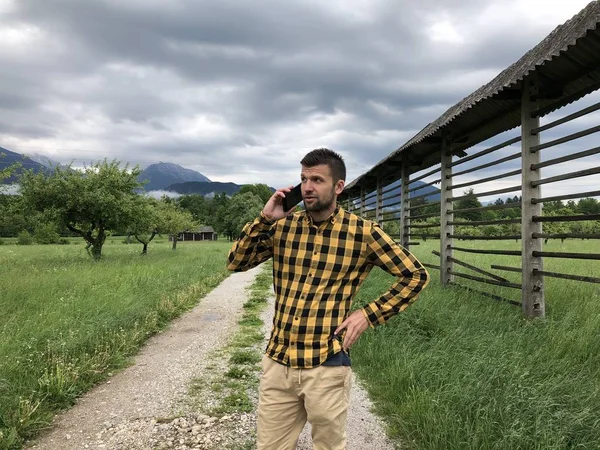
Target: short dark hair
(329,157)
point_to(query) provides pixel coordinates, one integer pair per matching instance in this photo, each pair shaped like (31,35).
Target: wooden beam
(404,206)
(508,94)
(379,203)
(532,294)
(446,216)
(362,200)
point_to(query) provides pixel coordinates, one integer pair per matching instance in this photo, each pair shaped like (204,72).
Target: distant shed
(205,233)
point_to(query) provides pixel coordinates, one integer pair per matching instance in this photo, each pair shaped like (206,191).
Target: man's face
(319,191)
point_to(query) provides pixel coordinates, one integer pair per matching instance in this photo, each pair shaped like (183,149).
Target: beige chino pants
(288,397)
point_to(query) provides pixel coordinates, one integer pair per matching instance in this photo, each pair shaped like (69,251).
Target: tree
(261,190)
(552,207)
(160,217)
(242,208)
(219,215)
(12,216)
(470,201)
(90,202)
(588,206)
(146,223)
(7,172)
(173,219)
(198,206)
(429,209)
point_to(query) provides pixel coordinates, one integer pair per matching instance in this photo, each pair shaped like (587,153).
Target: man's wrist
(266,219)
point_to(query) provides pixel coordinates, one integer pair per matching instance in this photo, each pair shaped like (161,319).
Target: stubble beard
(319,205)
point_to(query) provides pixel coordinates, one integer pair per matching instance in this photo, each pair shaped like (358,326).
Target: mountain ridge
(9,158)
(161,175)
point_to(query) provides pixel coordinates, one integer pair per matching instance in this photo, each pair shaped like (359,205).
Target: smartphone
(292,198)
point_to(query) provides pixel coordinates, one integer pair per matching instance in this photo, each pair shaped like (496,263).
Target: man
(321,256)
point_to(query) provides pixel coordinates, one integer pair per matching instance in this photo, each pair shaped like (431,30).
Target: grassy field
(458,371)
(66,321)
(455,371)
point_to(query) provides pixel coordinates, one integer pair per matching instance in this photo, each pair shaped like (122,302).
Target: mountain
(162,175)
(44,160)
(7,158)
(204,188)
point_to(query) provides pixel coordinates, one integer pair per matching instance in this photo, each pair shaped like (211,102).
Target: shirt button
(310,274)
(315,253)
(293,343)
(295,318)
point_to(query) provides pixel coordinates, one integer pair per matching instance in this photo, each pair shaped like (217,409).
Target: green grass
(244,352)
(459,371)
(244,357)
(66,321)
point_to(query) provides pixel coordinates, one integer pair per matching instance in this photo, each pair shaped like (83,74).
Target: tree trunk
(96,252)
(145,249)
(174,247)
(94,244)
(97,245)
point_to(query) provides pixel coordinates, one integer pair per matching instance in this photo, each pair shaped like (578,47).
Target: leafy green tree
(242,208)
(12,216)
(198,206)
(173,220)
(219,216)
(551,208)
(8,171)
(46,233)
(24,238)
(146,222)
(470,201)
(160,217)
(90,203)
(571,206)
(588,206)
(430,209)
(261,190)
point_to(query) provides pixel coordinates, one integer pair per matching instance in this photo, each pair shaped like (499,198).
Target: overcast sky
(241,90)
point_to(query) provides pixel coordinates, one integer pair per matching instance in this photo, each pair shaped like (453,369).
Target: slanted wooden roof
(567,63)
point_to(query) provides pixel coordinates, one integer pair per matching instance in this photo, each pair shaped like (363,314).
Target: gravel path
(158,380)
(146,406)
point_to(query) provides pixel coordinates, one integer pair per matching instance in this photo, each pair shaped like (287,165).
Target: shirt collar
(335,216)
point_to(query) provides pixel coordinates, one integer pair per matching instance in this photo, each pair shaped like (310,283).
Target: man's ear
(339,187)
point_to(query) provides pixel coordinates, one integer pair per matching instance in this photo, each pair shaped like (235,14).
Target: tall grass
(67,321)
(459,371)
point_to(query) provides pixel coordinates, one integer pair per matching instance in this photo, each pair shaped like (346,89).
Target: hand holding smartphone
(292,198)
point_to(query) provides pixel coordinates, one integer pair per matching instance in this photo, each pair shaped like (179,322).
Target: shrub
(46,234)
(24,238)
(1,241)
(63,241)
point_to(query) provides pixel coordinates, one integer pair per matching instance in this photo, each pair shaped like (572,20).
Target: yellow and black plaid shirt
(317,270)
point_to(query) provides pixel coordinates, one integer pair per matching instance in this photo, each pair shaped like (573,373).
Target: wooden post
(362,201)
(379,204)
(404,204)
(532,294)
(446,215)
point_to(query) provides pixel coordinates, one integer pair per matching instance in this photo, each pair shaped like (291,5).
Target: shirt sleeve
(385,253)
(254,246)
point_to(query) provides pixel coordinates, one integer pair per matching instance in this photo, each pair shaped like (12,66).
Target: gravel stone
(147,406)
